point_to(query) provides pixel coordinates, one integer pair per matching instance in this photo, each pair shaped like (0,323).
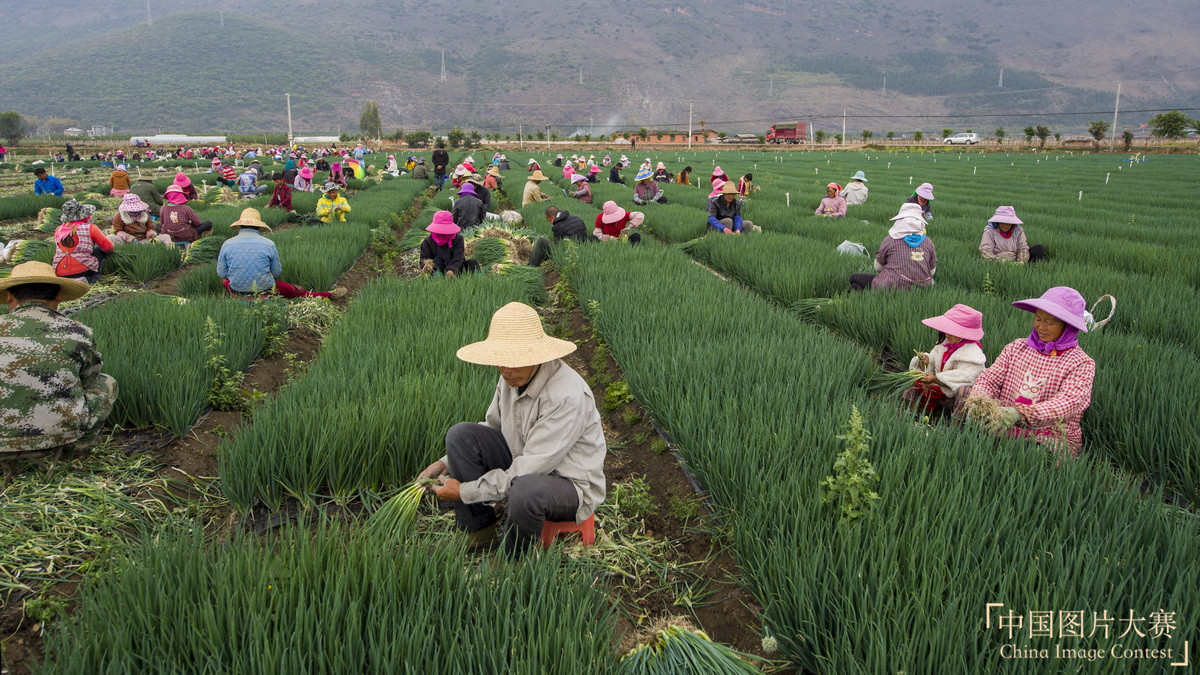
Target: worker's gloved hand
(1008,418)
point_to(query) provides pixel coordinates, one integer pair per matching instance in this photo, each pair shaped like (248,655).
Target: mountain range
(224,66)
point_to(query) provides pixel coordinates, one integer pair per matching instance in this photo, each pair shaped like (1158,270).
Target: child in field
(954,362)
(281,196)
(331,204)
(746,185)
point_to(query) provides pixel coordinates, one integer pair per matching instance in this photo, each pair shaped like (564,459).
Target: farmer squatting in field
(541,445)
(249,264)
(55,397)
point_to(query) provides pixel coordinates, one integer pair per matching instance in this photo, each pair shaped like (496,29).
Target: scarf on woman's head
(442,239)
(1068,339)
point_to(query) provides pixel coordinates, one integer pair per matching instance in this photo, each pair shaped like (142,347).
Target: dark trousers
(1037,252)
(204,226)
(861,282)
(470,265)
(439,179)
(475,449)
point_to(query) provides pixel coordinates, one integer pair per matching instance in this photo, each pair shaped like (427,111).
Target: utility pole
(289,108)
(690,124)
(591,126)
(580,74)
(1112,139)
(547,138)
(1001,85)
(521,136)
(222,12)
(843,126)
(149,18)
(443,65)
(771,89)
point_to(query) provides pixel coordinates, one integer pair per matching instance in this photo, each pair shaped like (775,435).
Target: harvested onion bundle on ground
(679,650)
(397,515)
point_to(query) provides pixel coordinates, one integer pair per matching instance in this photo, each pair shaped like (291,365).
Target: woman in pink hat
(304,180)
(185,184)
(922,197)
(1004,239)
(833,205)
(718,174)
(614,221)
(954,362)
(1043,382)
(442,250)
(132,223)
(177,220)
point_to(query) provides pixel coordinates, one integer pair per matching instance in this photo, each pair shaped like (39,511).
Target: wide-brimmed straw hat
(443,223)
(250,218)
(493,171)
(538,176)
(1061,302)
(516,339)
(34,272)
(960,321)
(1005,214)
(728,188)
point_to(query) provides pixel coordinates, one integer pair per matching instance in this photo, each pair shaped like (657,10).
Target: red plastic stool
(586,529)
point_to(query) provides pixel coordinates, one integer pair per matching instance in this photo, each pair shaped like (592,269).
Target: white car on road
(965,138)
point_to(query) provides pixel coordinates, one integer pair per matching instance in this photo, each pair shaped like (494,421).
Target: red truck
(792,132)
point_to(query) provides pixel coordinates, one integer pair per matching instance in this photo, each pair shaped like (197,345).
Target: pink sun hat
(718,171)
(612,213)
(960,321)
(175,195)
(717,185)
(182,180)
(132,203)
(443,223)
(1007,215)
(594,169)
(1061,302)
(578,178)
(306,173)
(925,190)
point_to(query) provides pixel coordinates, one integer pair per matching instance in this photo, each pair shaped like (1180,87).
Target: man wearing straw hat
(725,211)
(541,445)
(55,398)
(249,265)
(533,190)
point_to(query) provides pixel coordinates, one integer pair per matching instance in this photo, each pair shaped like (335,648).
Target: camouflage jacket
(51,388)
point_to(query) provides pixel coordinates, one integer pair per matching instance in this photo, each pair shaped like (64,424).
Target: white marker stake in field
(816,170)
(1081,195)
(1106,177)
(889,165)
(788,196)
(910,180)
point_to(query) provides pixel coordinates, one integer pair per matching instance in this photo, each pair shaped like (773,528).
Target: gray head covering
(73,211)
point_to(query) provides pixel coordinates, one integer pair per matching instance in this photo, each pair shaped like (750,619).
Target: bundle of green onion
(397,515)
(679,651)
